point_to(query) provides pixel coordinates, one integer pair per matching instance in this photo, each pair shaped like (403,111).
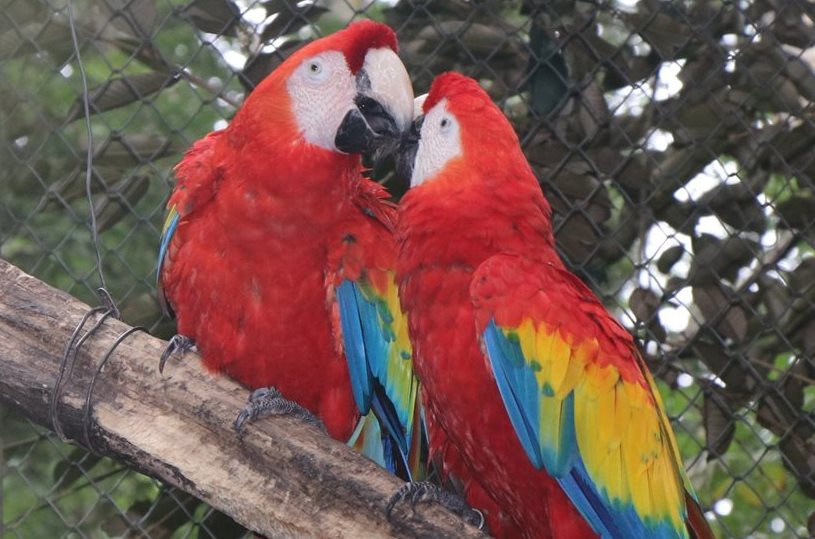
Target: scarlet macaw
(542,398)
(277,254)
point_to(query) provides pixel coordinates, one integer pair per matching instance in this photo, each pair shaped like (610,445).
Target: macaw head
(461,136)
(347,92)
(466,167)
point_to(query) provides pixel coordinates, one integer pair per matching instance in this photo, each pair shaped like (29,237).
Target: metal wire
(86,109)
(675,142)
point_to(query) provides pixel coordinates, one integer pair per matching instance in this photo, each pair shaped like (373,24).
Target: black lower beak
(406,152)
(353,136)
(366,128)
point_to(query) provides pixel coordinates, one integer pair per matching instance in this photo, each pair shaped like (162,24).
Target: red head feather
(455,87)
(354,42)
(362,36)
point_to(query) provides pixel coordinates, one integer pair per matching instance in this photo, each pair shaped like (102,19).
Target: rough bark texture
(283,479)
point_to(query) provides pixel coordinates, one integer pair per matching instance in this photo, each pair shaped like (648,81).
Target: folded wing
(581,400)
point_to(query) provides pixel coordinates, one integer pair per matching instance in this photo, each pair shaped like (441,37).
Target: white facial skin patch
(439,143)
(322,91)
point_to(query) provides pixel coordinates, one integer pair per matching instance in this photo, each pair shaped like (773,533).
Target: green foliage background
(646,122)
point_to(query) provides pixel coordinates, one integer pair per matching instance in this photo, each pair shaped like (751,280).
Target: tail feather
(418,450)
(698,526)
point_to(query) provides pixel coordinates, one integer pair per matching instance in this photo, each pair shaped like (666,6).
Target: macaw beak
(405,157)
(384,105)
(408,146)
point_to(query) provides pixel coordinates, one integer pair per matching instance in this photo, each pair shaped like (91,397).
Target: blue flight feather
(166,237)
(504,357)
(365,346)
(354,341)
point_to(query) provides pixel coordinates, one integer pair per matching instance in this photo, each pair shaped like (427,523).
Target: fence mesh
(675,141)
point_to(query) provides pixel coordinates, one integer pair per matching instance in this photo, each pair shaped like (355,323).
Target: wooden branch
(283,479)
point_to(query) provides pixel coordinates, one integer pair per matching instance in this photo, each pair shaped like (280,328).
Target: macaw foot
(426,492)
(268,401)
(179,345)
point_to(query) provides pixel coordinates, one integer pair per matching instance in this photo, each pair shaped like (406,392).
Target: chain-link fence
(675,141)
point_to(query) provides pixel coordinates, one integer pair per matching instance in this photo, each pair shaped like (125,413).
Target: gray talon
(179,344)
(268,401)
(426,492)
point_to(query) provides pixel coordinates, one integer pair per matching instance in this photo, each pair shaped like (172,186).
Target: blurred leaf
(290,19)
(793,384)
(723,363)
(121,91)
(761,73)
(17,13)
(274,6)
(474,39)
(131,150)
(214,16)
(717,259)
(259,66)
(665,33)
(735,205)
(77,464)
(800,460)
(669,257)
(161,518)
(719,422)
(119,201)
(142,310)
(592,110)
(645,303)
(776,297)
(636,175)
(802,278)
(797,212)
(137,17)
(34,37)
(73,186)
(548,73)
(789,27)
(677,166)
(729,319)
(222,525)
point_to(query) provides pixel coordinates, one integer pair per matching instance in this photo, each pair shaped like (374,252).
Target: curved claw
(428,492)
(268,401)
(179,344)
(252,410)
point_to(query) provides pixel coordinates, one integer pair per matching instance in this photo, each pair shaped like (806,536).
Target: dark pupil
(315,68)
(444,123)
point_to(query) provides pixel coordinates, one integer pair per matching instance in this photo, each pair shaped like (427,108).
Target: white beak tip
(418,103)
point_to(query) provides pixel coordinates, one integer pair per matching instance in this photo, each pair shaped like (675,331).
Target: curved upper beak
(405,157)
(384,105)
(408,147)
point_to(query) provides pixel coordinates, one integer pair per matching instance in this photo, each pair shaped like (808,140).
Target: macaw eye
(446,124)
(317,70)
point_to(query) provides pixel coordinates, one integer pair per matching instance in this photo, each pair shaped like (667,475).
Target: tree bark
(282,479)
